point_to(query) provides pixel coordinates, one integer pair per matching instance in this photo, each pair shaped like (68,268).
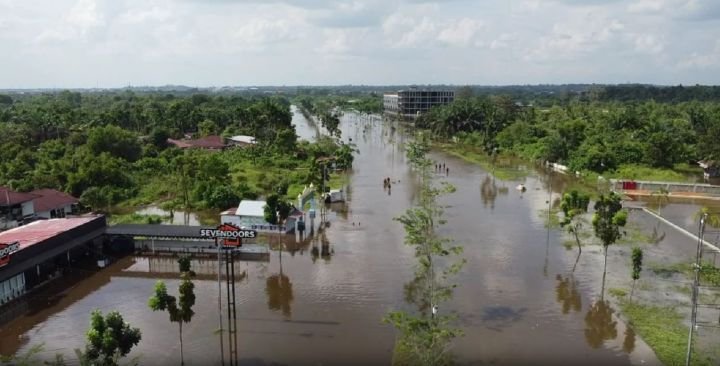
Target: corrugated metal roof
(244,139)
(251,208)
(50,199)
(9,197)
(39,231)
(162,231)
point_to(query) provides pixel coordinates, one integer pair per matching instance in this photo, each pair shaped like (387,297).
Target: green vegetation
(617,292)
(111,150)
(574,205)
(135,218)
(424,336)
(179,309)
(647,140)
(662,328)
(607,220)
(108,339)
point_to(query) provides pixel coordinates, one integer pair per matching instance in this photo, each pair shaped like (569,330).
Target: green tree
(637,259)
(607,220)
(425,337)
(573,205)
(180,309)
(159,137)
(661,198)
(274,204)
(115,141)
(208,128)
(108,339)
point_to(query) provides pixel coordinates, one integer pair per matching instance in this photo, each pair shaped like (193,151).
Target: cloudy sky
(109,43)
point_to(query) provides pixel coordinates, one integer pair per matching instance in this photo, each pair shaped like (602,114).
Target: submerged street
(321,300)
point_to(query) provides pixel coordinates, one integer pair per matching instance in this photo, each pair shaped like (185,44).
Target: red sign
(6,250)
(230,234)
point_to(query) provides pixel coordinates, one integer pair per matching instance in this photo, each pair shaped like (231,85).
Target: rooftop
(251,208)
(50,199)
(39,231)
(243,139)
(9,197)
(207,142)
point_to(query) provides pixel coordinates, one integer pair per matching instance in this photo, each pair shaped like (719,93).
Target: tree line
(112,148)
(586,136)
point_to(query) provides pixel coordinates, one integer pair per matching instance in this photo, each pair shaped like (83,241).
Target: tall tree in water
(573,205)
(108,339)
(609,217)
(425,336)
(179,309)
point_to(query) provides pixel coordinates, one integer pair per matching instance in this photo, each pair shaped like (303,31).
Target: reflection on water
(567,294)
(599,324)
(498,317)
(280,293)
(489,191)
(629,341)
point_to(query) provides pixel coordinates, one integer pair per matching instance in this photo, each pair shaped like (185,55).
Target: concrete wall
(671,187)
(28,209)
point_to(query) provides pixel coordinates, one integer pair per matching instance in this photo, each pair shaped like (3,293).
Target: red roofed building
(33,253)
(15,208)
(213,142)
(51,203)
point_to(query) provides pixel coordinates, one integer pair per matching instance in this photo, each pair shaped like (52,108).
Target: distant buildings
(18,208)
(213,142)
(413,102)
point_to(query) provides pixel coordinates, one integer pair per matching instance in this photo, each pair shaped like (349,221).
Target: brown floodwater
(321,300)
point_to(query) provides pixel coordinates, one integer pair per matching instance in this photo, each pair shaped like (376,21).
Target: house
(242,141)
(711,168)
(52,204)
(212,142)
(250,214)
(16,208)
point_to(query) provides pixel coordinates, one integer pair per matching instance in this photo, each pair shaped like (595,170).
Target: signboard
(232,235)
(6,250)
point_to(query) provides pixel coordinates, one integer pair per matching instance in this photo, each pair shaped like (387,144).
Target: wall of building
(12,288)
(28,209)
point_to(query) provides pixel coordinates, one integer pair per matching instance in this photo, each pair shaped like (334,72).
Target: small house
(711,169)
(51,203)
(16,208)
(250,214)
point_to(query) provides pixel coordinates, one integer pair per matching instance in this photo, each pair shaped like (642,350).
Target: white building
(52,204)
(250,214)
(242,140)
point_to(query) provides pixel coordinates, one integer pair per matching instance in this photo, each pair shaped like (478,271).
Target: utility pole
(696,283)
(222,351)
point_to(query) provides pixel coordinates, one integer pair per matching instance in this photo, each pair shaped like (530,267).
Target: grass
(504,165)
(135,218)
(617,292)
(663,330)
(668,270)
(554,221)
(634,235)
(680,173)
(709,274)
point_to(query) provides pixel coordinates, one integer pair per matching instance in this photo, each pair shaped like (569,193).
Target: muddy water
(320,301)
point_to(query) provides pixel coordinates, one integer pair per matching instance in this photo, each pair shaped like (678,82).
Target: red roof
(9,197)
(207,142)
(50,199)
(39,231)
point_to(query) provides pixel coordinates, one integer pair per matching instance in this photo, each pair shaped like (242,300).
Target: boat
(521,187)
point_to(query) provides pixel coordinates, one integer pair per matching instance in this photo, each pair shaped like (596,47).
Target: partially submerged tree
(426,335)
(179,309)
(573,205)
(108,339)
(637,259)
(661,198)
(609,217)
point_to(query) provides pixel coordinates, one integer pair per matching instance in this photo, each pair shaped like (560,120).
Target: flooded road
(321,301)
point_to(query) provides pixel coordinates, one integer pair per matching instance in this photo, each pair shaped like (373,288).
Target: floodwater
(320,301)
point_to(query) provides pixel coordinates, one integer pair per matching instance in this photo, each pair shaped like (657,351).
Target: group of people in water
(440,168)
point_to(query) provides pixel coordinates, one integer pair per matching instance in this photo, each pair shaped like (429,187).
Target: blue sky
(110,43)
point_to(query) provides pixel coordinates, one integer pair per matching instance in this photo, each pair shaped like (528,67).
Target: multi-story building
(414,102)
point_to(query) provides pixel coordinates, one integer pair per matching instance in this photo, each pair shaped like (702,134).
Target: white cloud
(710,60)
(211,42)
(648,43)
(646,6)
(462,33)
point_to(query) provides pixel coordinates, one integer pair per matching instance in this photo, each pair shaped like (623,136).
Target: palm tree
(661,198)
(713,217)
